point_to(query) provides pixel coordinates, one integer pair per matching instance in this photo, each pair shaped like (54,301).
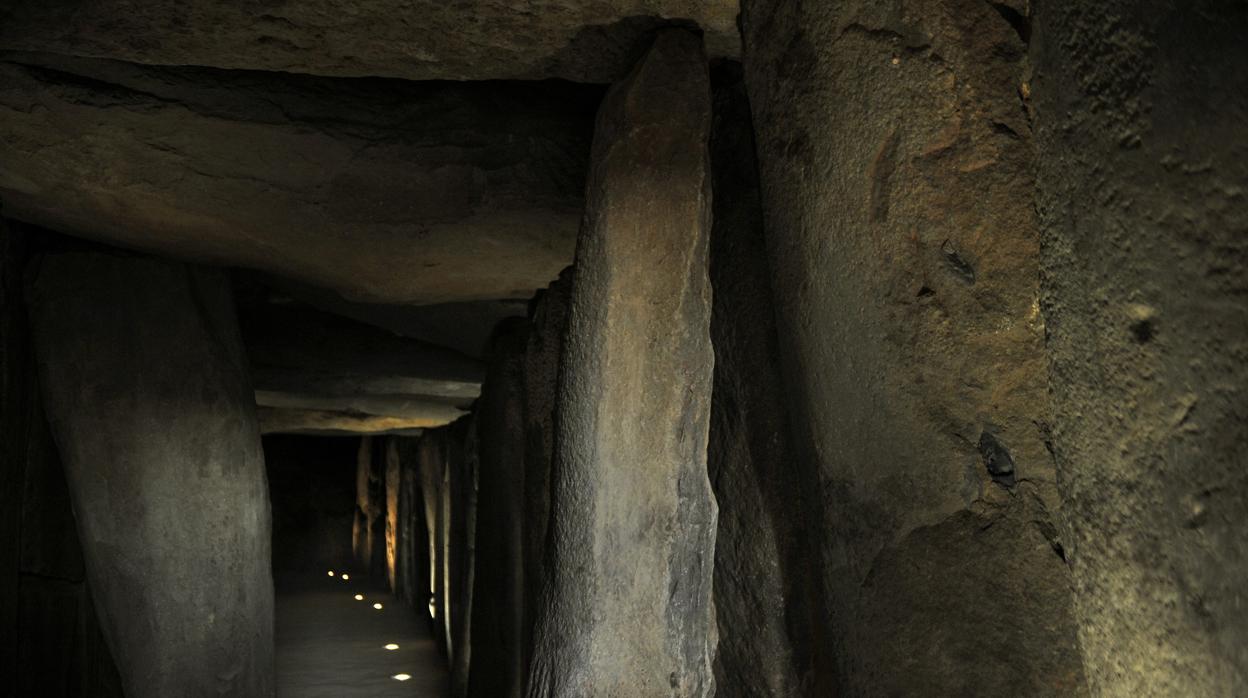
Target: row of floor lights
(391,647)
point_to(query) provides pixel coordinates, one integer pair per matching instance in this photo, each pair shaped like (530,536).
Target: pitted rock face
(414,39)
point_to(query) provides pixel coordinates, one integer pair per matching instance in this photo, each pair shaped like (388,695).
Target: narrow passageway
(331,644)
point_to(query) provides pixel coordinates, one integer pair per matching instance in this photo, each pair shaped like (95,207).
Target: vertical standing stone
(629,609)
(150,402)
(362,522)
(464,432)
(432,464)
(772,617)
(413,588)
(15,389)
(53,645)
(498,586)
(394,478)
(370,512)
(1141,111)
(543,356)
(895,160)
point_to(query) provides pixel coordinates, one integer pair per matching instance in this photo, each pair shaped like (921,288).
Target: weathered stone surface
(629,608)
(464,327)
(1140,112)
(385,191)
(369,528)
(149,400)
(772,618)
(430,463)
(52,643)
(285,413)
(463,459)
(498,607)
(317,372)
(394,477)
(895,159)
(582,40)
(542,359)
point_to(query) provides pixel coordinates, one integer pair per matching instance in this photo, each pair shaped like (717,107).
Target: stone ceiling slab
(580,40)
(385,191)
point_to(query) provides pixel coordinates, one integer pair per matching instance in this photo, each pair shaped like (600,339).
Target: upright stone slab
(772,615)
(542,358)
(370,507)
(629,609)
(896,161)
(465,452)
(394,478)
(432,465)
(498,608)
(150,403)
(1141,110)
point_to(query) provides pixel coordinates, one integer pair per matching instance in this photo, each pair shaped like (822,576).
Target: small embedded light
(345,576)
(377,606)
(392,646)
(359,597)
(401,677)
(331,573)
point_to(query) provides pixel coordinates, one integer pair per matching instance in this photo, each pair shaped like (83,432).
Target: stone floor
(330,644)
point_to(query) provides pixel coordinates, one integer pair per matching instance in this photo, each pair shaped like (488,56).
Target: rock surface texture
(895,159)
(413,39)
(52,644)
(772,619)
(629,610)
(498,609)
(150,402)
(317,372)
(543,357)
(1143,172)
(384,191)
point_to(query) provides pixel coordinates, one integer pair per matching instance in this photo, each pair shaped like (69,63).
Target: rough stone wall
(548,319)
(498,609)
(629,607)
(895,161)
(1141,111)
(53,644)
(150,403)
(772,618)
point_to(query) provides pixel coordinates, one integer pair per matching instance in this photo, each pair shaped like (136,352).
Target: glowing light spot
(331,573)
(401,677)
(359,597)
(345,576)
(392,646)
(377,606)
(433,608)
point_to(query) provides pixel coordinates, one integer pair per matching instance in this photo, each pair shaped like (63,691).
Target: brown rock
(582,40)
(1143,167)
(629,609)
(385,191)
(896,159)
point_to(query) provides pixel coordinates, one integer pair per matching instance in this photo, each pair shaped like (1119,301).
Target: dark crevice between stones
(1020,22)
